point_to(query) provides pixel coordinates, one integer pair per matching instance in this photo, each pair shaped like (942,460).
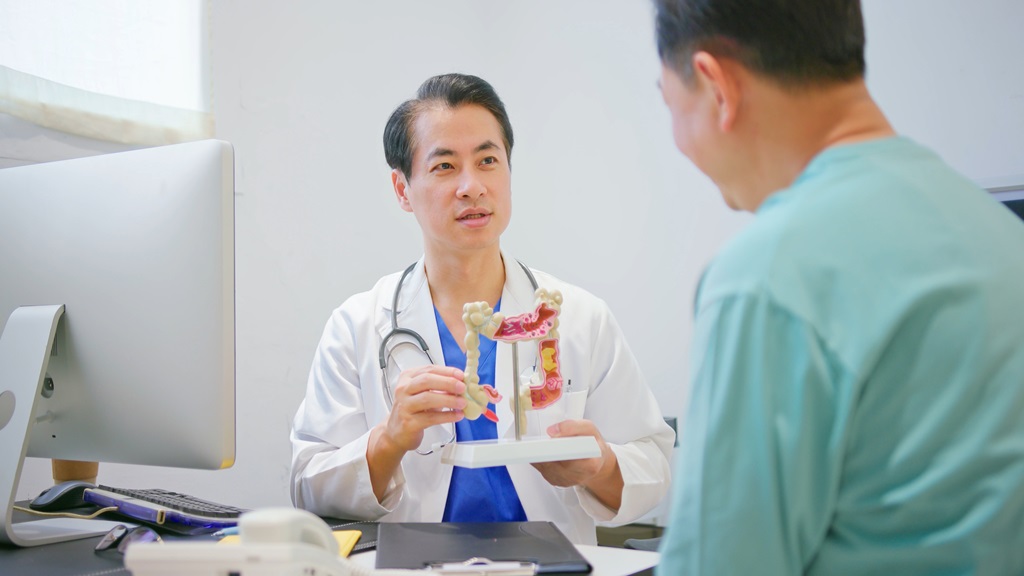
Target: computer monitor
(117,310)
(1012,199)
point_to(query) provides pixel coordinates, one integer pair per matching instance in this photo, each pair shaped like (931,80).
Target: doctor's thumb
(567,428)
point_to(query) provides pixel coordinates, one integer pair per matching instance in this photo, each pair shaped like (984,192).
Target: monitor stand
(25,347)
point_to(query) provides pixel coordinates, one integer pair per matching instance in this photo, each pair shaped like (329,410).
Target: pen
(226,532)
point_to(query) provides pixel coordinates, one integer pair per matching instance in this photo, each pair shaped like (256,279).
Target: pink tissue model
(541,325)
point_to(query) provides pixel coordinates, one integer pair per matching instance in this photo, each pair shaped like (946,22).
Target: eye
(489,160)
(442,166)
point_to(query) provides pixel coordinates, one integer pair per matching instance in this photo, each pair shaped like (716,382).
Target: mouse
(70,494)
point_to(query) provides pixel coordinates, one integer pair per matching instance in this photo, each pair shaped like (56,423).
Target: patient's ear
(400,184)
(720,76)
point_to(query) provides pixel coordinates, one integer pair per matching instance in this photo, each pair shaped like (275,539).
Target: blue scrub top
(478,494)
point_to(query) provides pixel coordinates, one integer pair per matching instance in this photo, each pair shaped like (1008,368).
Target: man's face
(694,112)
(460,185)
(690,125)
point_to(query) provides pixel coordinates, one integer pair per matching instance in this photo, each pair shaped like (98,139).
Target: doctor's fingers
(429,418)
(410,424)
(569,472)
(405,429)
(567,428)
(433,378)
(427,401)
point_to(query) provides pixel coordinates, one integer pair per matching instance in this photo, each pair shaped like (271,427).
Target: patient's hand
(600,475)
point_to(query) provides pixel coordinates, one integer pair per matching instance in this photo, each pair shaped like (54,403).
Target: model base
(502,452)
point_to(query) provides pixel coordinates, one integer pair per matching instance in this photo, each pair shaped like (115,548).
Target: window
(114,70)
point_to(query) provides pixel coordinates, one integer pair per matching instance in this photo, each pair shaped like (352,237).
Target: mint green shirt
(858,380)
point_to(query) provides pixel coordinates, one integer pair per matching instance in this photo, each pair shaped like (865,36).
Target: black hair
(451,90)
(794,42)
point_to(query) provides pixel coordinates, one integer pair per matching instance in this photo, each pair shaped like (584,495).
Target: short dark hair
(794,42)
(451,90)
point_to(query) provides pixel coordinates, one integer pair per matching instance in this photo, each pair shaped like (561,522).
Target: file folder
(436,545)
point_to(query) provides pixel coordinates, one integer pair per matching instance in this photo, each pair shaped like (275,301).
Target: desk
(76,558)
(606,561)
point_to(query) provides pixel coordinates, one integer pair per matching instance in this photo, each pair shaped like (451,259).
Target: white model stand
(25,347)
(505,451)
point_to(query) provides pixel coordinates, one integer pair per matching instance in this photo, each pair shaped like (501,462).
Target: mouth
(473,216)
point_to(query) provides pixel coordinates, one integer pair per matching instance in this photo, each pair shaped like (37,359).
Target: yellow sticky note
(346,540)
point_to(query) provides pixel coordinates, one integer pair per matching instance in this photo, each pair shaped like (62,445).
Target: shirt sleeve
(624,409)
(761,449)
(329,473)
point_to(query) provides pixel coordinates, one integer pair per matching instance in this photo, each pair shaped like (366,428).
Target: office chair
(648,544)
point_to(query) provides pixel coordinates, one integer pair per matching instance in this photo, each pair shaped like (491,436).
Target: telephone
(274,542)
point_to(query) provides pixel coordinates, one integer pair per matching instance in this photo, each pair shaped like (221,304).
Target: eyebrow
(437,152)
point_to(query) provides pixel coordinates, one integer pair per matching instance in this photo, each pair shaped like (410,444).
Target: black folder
(415,545)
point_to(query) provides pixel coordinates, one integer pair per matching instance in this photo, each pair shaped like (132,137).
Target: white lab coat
(345,398)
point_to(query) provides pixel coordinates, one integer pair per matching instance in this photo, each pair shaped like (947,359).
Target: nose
(471,186)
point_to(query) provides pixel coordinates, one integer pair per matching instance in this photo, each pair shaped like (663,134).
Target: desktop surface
(70,558)
(76,557)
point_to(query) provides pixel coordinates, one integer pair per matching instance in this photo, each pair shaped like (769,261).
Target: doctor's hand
(423,397)
(600,475)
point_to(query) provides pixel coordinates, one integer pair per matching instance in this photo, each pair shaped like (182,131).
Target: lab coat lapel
(516,298)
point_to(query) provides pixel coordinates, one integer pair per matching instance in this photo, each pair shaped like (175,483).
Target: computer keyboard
(171,510)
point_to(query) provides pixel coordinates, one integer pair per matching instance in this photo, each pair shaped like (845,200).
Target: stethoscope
(384,352)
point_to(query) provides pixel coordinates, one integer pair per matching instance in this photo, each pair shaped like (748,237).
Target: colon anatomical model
(540,325)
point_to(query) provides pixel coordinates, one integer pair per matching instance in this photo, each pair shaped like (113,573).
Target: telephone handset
(273,542)
(276,525)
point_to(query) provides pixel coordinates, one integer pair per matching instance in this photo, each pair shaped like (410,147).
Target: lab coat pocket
(575,404)
(570,406)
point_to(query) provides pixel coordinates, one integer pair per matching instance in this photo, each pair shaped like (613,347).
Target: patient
(858,362)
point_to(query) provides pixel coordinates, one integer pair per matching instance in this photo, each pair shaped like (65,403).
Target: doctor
(358,454)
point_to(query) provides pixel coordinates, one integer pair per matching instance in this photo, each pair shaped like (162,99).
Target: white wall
(950,74)
(601,196)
